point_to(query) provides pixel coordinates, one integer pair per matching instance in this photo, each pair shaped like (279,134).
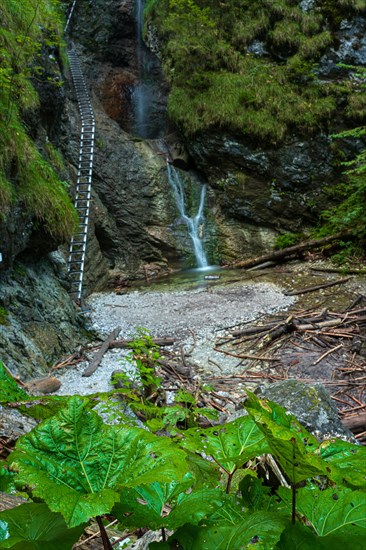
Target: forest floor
(236,330)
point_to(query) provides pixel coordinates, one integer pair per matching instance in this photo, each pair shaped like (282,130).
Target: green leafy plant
(26,177)
(144,356)
(288,239)
(34,527)
(82,468)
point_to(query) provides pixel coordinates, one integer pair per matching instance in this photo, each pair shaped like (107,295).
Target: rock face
(312,406)
(39,322)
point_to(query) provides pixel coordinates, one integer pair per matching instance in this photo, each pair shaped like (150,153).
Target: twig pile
(311,346)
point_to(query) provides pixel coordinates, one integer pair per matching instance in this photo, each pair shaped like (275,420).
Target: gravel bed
(195,317)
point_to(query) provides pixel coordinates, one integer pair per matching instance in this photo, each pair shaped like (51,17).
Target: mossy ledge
(27,176)
(249,66)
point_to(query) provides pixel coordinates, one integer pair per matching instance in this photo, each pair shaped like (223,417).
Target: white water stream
(194,224)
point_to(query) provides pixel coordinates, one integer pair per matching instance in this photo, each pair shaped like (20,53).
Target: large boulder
(312,406)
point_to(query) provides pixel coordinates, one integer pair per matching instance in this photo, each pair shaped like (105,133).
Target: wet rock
(14,424)
(41,323)
(43,386)
(351,49)
(312,406)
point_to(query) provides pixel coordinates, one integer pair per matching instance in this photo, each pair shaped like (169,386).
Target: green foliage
(292,446)
(76,464)
(81,467)
(25,175)
(287,239)
(350,195)
(146,506)
(35,527)
(215,81)
(259,528)
(9,389)
(231,445)
(333,510)
(144,356)
(4,316)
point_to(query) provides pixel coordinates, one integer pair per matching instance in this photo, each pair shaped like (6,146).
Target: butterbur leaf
(346,461)
(158,505)
(299,537)
(257,496)
(257,530)
(334,511)
(7,481)
(207,474)
(77,464)
(231,445)
(35,527)
(145,504)
(293,446)
(9,389)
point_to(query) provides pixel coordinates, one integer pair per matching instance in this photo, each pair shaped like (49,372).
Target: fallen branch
(356,423)
(342,270)
(94,364)
(285,252)
(336,348)
(247,356)
(317,287)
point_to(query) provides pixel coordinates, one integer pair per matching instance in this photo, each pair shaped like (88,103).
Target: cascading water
(148,123)
(194,224)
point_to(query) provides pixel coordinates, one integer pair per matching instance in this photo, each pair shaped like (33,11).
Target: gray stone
(257,48)
(351,50)
(307,5)
(312,406)
(42,321)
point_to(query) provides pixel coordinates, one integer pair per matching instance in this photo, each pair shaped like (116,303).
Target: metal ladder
(71,11)
(76,260)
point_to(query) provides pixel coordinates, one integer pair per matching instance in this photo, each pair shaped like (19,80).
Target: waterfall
(140,94)
(148,102)
(194,224)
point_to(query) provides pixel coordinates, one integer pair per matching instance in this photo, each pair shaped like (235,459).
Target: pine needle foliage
(26,177)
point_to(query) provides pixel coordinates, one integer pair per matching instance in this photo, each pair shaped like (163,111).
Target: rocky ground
(196,317)
(204,313)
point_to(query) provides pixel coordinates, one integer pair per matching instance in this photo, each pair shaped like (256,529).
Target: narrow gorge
(182,274)
(243,113)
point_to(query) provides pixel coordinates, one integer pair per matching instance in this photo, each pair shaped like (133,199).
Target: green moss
(216,82)
(4,317)
(287,239)
(26,176)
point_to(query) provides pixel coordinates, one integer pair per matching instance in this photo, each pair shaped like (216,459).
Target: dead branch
(278,255)
(94,364)
(316,287)
(336,348)
(355,423)
(247,356)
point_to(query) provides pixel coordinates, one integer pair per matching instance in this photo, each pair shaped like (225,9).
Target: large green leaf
(334,511)
(346,461)
(35,527)
(257,530)
(257,496)
(230,445)
(7,481)
(9,389)
(293,446)
(159,505)
(299,537)
(77,464)
(143,506)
